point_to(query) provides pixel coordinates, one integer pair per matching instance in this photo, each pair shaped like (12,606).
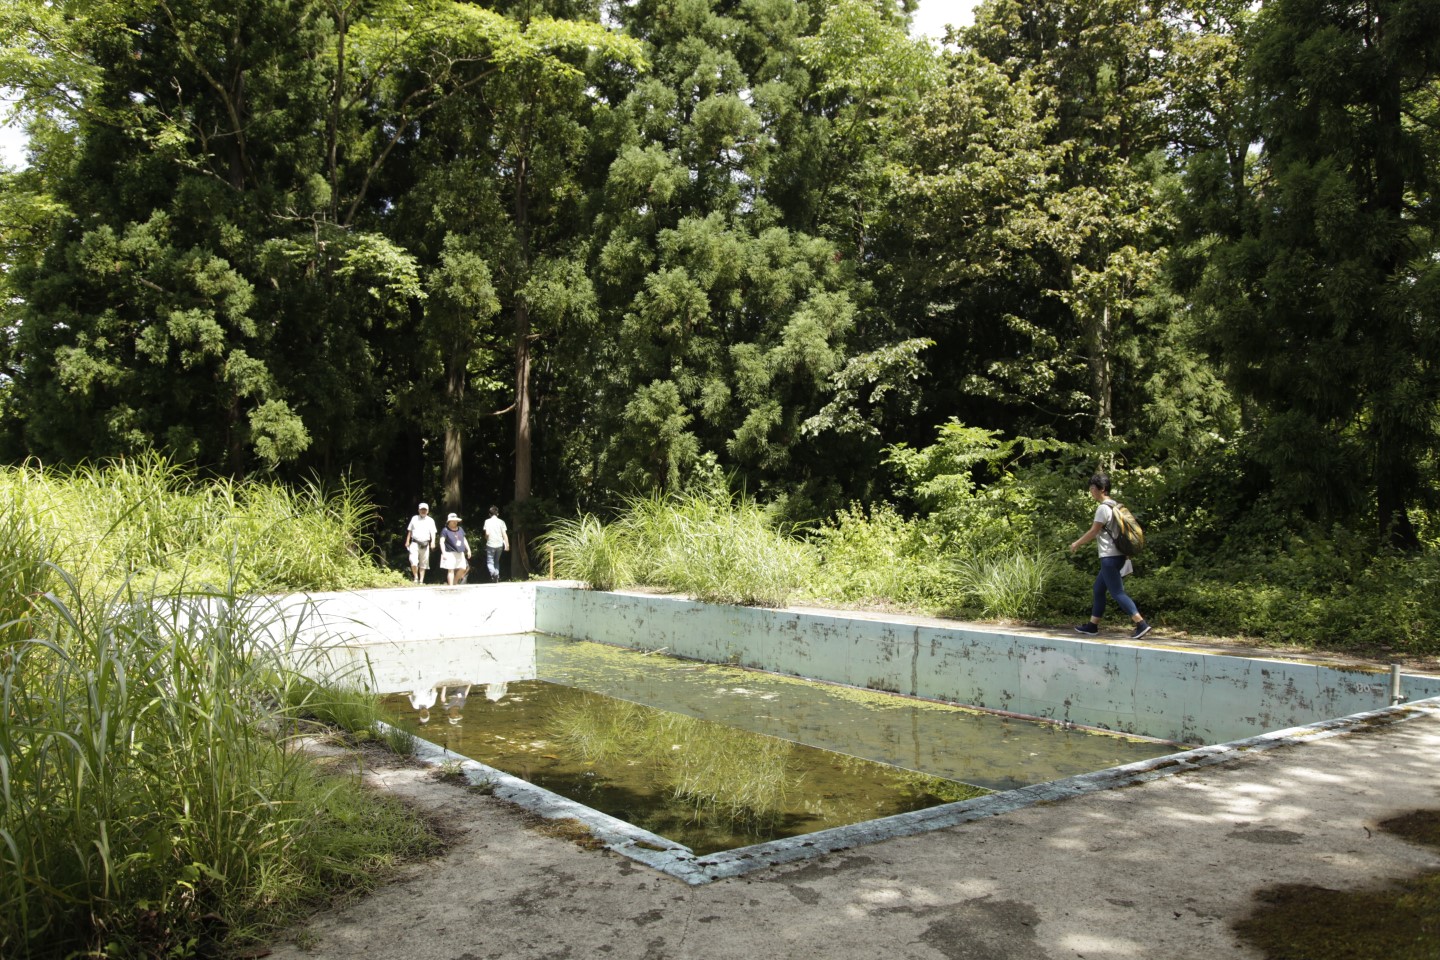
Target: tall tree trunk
(1395,450)
(520,559)
(454,468)
(1103,376)
(520,554)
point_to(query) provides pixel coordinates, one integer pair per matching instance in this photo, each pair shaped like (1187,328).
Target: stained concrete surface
(1159,870)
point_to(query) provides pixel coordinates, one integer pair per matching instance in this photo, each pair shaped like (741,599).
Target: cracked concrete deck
(1153,871)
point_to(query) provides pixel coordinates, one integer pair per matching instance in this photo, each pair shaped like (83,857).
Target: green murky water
(706,785)
(712,756)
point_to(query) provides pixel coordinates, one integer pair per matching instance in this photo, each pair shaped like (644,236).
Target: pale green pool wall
(1174,695)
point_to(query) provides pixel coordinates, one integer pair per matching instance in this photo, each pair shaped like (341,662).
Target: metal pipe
(1395,695)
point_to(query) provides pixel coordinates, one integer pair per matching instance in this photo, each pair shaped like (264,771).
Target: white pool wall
(1171,694)
(399,615)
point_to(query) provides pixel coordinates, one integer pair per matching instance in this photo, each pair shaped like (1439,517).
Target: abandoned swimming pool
(1229,704)
(712,756)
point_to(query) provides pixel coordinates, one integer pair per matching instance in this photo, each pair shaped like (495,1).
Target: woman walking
(1113,564)
(454,551)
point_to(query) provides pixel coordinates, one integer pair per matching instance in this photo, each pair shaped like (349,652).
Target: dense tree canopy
(550,253)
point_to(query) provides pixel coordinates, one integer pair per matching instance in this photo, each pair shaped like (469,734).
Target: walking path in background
(1155,871)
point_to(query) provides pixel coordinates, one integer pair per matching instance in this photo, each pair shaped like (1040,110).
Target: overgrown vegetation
(704,542)
(984,536)
(152,524)
(778,237)
(154,800)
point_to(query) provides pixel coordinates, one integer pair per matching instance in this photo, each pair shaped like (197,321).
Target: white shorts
(420,555)
(453,560)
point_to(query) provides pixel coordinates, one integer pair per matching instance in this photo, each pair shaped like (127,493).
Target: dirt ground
(1154,871)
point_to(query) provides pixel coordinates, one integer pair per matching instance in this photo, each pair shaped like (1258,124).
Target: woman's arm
(1087,536)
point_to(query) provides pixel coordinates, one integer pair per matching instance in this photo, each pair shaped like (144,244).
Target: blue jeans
(1110,579)
(492,562)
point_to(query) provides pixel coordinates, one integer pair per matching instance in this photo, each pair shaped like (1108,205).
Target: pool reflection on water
(709,755)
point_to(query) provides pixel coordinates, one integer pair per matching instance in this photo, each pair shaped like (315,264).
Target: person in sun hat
(1114,565)
(454,551)
(419,538)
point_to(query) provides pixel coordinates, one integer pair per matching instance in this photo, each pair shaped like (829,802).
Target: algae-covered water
(713,756)
(701,783)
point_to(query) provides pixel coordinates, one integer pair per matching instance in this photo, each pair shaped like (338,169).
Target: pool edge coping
(678,861)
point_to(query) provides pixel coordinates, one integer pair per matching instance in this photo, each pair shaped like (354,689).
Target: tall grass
(152,799)
(149,520)
(708,544)
(1010,585)
(586,549)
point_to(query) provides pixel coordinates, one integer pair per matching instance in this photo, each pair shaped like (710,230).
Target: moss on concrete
(1399,921)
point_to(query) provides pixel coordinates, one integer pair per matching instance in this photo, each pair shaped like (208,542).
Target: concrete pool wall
(1148,690)
(1170,694)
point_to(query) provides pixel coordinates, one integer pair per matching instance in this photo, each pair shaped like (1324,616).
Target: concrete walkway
(1155,871)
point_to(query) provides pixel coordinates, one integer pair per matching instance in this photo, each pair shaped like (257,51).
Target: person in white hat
(419,538)
(454,551)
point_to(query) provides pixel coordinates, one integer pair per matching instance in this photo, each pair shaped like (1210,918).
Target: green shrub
(879,558)
(586,549)
(1007,586)
(706,543)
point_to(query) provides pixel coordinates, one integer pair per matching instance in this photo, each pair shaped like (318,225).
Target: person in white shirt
(419,538)
(497,541)
(1113,564)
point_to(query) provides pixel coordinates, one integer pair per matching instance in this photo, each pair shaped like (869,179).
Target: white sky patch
(930,20)
(12,139)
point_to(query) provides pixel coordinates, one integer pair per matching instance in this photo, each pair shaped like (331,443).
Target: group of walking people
(422,536)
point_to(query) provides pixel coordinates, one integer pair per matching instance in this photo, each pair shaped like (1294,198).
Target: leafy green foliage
(429,244)
(149,785)
(878,557)
(1312,287)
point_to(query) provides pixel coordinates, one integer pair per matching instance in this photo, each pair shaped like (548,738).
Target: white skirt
(453,560)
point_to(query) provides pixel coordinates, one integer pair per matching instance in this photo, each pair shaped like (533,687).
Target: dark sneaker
(1141,629)
(1089,628)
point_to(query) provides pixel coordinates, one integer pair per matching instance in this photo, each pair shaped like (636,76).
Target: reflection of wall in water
(439,672)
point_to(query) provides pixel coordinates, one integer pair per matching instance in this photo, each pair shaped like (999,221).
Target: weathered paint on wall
(1175,695)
